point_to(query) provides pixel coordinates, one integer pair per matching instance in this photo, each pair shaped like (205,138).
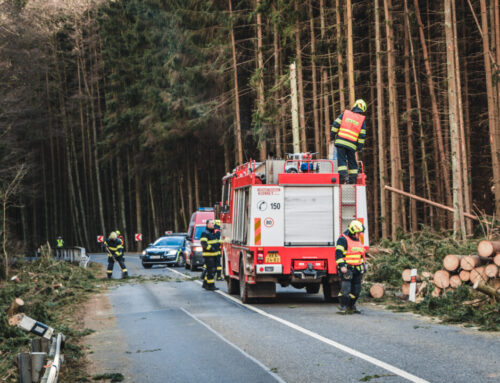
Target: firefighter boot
(219,275)
(353,179)
(211,287)
(205,284)
(125,274)
(342,179)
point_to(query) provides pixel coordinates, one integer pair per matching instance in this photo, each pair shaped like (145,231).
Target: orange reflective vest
(355,252)
(350,126)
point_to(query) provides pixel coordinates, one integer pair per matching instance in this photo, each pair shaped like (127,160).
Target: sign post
(413,285)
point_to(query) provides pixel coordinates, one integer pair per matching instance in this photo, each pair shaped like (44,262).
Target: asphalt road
(175,331)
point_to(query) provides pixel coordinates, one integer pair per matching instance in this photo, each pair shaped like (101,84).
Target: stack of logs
(460,269)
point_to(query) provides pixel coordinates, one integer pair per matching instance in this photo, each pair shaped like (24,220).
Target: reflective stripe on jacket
(210,241)
(353,254)
(350,127)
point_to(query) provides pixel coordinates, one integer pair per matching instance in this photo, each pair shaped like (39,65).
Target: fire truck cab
(280,221)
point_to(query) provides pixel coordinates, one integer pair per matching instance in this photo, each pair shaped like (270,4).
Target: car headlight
(172,252)
(144,252)
(197,248)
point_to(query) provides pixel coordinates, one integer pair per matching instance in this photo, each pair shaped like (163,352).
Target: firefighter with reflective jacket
(210,242)
(349,132)
(59,242)
(114,248)
(219,264)
(350,257)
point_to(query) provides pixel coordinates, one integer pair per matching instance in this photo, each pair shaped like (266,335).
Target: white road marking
(346,349)
(260,364)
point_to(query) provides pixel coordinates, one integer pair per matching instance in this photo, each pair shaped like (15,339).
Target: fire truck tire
(330,291)
(313,289)
(233,286)
(243,285)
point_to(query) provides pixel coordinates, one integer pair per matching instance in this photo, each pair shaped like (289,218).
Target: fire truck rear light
(260,258)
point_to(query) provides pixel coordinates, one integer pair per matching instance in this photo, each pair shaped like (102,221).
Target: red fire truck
(280,221)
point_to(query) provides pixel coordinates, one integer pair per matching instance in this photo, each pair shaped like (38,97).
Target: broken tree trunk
(442,279)
(469,262)
(464,275)
(485,289)
(441,206)
(488,248)
(406,274)
(436,292)
(15,307)
(451,262)
(377,290)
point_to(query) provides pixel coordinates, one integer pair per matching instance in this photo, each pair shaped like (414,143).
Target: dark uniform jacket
(114,246)
(210,241)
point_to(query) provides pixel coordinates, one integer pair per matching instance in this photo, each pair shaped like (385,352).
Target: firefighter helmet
(361,104)
(118,232)
(113,235)
(356,227)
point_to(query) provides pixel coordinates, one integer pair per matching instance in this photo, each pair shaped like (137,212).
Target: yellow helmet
(356,227)
(361,104)
(217,222)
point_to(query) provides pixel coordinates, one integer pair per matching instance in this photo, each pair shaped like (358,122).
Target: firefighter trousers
(121,261)
(350,288)
(209,281)
(219,268)
(347,165)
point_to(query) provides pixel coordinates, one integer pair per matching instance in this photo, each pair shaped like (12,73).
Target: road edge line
(243,352)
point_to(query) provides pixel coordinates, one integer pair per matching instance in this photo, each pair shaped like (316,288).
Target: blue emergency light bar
(205,209)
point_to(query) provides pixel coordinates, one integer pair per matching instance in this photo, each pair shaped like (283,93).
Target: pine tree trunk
(277,101)
(409,127)
(458,216)
(188,176)
(138,206)
(384,216)
(350,53)
(300,82)
(237,127)
(397,209)
(317,144)
(340,65)
(443,161)
(121,199)
(324,79)
(260,90)
(196,187)
(153,209)
(492,112)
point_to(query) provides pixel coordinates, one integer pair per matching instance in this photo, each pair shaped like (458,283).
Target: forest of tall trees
(126,113)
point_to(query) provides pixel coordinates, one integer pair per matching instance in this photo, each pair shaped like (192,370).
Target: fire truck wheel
(243,284)
(233,286)
(313,289)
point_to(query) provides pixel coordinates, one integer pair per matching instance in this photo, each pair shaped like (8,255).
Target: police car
(168,250)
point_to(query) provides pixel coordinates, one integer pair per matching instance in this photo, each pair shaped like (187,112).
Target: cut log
(491,270)
(478,275)
(15,307)
(451,262)
(377,290)
(480,286)
(464,275)
(14,320)
(436,292)
(469,262)
(15,279)
(496,259)
(455,281)
(405,289)
(406,274)
(442,279)
(488,248)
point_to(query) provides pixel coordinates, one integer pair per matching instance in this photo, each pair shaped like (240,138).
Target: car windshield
(198,230)
(169,241)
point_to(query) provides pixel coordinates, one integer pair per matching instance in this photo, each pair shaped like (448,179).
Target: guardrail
(45,355)
(73,254)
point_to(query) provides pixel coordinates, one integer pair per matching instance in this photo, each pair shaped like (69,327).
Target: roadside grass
(425,252)
(55,306)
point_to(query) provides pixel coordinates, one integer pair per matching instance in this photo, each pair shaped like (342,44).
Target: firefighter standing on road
(219,264)
(210,241)
(350,257)
(114,248)
(349,132)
